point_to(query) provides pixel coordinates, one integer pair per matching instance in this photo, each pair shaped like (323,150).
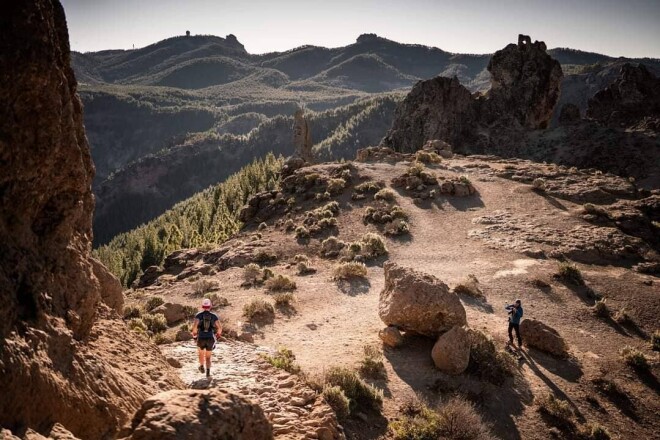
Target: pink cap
(206,304)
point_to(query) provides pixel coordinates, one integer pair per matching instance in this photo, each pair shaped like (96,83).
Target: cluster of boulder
(421,304)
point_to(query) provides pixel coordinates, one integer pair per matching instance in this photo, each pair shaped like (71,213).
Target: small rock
(183,335)
(174,362)
(391,336)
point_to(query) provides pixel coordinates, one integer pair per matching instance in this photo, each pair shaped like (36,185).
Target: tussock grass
(335,397)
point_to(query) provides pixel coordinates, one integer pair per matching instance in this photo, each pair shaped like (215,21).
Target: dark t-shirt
(206,326)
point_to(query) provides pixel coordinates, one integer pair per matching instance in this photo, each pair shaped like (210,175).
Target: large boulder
(111,291)
(198,414)
(451,352)
(418,302)
(543,337)
(172,312)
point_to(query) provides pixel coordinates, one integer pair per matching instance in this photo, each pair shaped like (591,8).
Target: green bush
(361,395)
(371,365)
(155,323)
(153,302)
(335,397)
(284,359)
(258,309)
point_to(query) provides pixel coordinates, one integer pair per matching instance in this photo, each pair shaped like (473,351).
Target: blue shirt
(515,314)
(206,325)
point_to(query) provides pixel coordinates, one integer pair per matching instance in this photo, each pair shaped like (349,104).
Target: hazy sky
(613,27)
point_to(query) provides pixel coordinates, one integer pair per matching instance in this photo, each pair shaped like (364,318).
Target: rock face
(302,137)
(524,91)
(199,414)
(451,353)
(631,101)
(419,303)
(540,336)
(51,290)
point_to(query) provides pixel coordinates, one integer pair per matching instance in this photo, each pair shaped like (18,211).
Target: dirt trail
(331,323)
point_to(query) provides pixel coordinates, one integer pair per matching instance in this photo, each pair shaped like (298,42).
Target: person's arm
(194,329)
(218,329)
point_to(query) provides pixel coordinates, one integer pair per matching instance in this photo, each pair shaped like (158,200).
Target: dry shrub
(655,340)
(600,309)
(397,227)
(132,312)
(252,273)
(336,186)
(373,245)
(538,184)
(635,358)
(455,420)
(217,300)
(258,309)
(153,302)
(349,270)
(486,361)
(594,431)
(570,272)
(284,299)
(371,366)
(289,225)
(280,283)
(137,325)
(202,286)
(385,194)
(427,157)
(162,338)
(262,226)
(331,247)
(554,407)
(622,317)
(302,232)
(369,187)
(305,268)
(155,323)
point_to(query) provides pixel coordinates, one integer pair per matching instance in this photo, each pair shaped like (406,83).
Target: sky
(628,28)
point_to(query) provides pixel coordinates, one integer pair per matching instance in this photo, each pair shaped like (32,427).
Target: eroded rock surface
(294,410)
(56,360)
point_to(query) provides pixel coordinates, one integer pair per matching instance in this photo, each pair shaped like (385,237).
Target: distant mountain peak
(366,38)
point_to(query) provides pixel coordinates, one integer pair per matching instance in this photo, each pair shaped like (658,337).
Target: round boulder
(418,302)
(391,336)
(198,414)
(171,311)
(543,337)
(451,353)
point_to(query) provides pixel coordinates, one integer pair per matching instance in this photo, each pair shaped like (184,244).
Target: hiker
(206,329)
(515,313)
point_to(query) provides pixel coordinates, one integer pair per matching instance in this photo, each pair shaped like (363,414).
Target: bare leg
(200,353)
(208,362)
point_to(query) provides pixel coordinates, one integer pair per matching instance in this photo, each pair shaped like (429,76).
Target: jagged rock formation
(631,101)
(55,328)
(525,89)
(302,137)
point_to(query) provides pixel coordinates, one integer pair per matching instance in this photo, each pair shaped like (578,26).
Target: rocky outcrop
(198,414)
(302,137)
(524,90)
(419,303)
(51,291)
(172,312)
(451,352)
(543,337)
(631,101)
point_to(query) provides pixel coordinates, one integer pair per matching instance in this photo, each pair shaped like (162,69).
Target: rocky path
(295,410)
